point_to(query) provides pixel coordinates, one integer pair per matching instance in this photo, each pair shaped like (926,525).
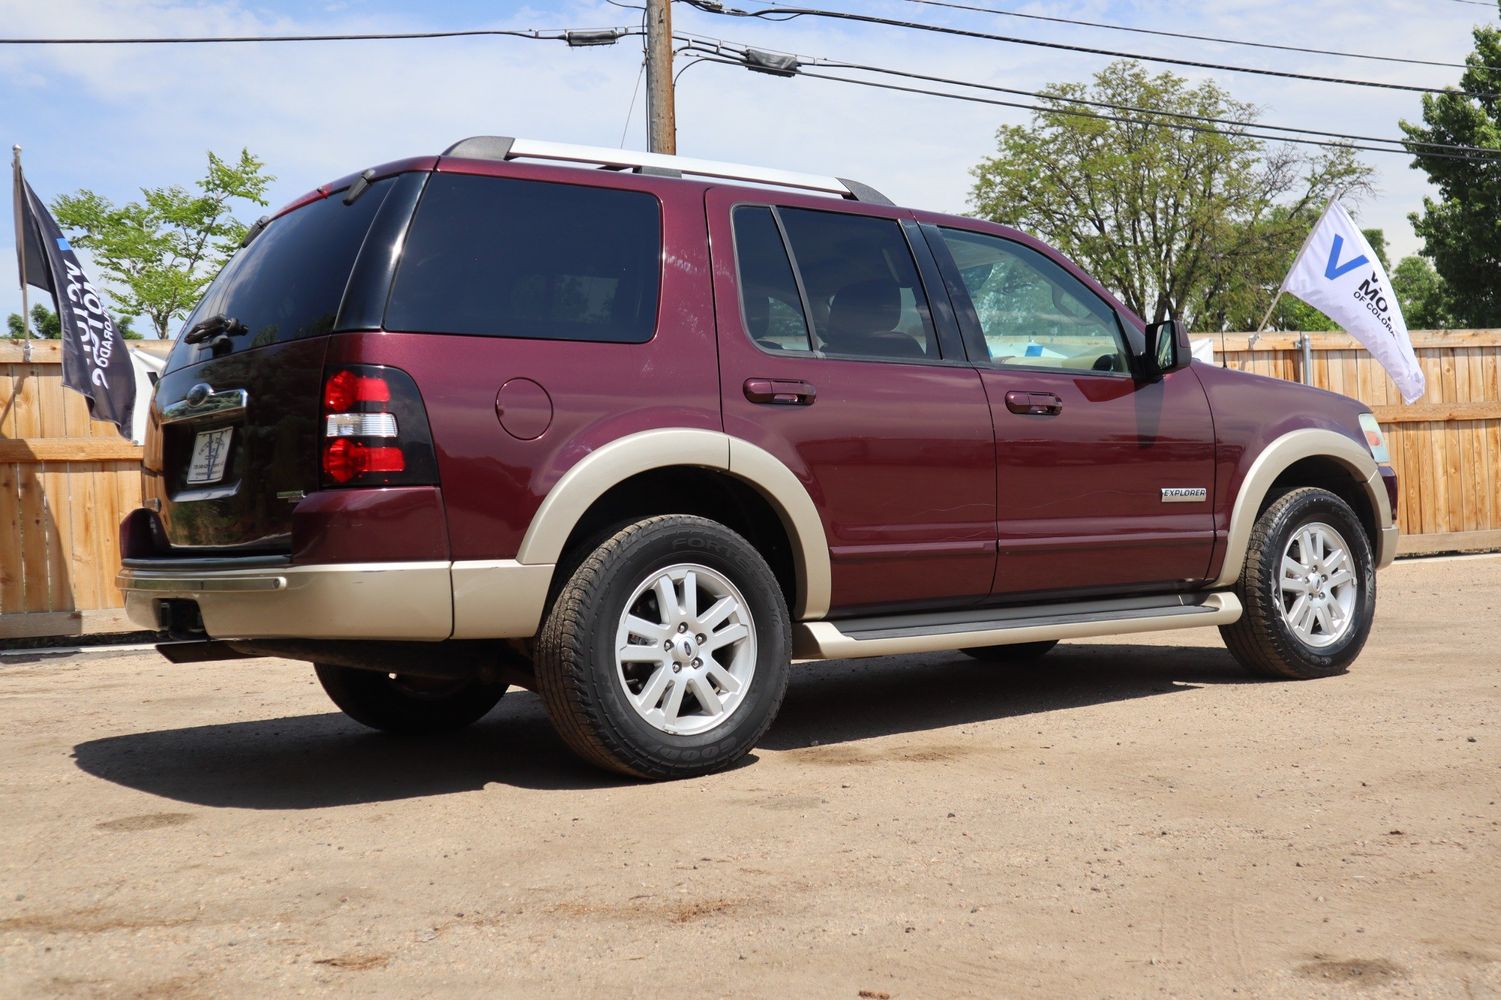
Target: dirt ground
(1126,820)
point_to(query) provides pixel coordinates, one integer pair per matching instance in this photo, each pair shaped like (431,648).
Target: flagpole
(1275,299)
(15,152)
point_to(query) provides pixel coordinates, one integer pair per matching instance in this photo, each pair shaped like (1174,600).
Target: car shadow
(840,701)
(324,760)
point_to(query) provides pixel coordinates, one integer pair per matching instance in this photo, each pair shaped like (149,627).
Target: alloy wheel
(685,649)
(1317,587)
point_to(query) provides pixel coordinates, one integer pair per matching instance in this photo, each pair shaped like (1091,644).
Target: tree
(161,252)
(1422,294)
(1377,239)
(126,327)
(45,324)
(1461,230)
(1197,225)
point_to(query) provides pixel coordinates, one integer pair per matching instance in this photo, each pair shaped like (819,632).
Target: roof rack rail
(502,147)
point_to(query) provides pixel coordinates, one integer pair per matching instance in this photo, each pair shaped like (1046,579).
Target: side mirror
(1166,351)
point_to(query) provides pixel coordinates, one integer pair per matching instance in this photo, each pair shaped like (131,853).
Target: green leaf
(1197,225)
(1461,229)
(157,255)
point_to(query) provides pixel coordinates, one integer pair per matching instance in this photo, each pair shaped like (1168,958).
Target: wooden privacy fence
(1446,447)
(66,481)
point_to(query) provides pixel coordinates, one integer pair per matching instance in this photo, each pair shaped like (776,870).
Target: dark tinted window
(289,281)
(769,302)
(509,258)
(862,285)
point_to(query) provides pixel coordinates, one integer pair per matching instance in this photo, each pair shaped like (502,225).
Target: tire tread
(562,658)
(367,698)
(1256,641)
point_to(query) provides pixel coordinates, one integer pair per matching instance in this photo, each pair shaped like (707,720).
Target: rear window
(288,283)
(509,258)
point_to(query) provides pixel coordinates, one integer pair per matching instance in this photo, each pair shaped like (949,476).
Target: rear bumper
(399,600)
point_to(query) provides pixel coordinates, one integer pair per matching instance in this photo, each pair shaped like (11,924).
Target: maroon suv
(553,416)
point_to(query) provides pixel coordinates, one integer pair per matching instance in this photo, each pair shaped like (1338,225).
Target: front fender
(1276,458)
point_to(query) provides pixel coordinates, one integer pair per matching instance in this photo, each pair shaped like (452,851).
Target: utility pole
(661,116)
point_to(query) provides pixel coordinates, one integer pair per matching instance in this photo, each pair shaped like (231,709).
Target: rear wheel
(666,653)
(1308,587)
(410,706)
(1017,652)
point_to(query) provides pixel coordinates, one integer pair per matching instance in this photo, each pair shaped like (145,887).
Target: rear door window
(770,304)
(288,283)
(501,257)
(862,285)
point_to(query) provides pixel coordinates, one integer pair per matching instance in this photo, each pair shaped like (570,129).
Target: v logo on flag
(1334,268)
(1365,309)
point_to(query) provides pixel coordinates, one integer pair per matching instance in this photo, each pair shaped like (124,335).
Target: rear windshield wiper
(204,329)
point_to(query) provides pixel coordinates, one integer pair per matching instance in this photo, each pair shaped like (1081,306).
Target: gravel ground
(1132,819)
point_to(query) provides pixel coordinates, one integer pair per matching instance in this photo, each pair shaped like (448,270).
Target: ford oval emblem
(198,394)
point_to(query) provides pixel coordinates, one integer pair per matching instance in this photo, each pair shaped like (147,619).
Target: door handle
(783,392)
(1040,404)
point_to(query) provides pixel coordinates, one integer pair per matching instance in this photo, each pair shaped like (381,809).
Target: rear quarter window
(501,257)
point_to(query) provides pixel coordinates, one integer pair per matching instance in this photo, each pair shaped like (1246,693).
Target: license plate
(210,453)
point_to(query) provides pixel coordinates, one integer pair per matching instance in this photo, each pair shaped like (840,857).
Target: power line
(745,53)
(1179,34)
(1184,126)
(574,36)
(1152,111)
(632,109)
(641,74)
(787,13)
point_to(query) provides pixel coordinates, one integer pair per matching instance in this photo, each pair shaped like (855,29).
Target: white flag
(1338,274)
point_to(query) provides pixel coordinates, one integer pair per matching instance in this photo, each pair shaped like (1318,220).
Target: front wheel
(1308,587)
(409,706)
(666,653)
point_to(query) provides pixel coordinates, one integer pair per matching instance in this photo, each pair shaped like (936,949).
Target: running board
(930,633)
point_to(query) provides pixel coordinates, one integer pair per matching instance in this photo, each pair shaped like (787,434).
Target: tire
(407,706)
(1017,652)
(1314,620)
(653,715)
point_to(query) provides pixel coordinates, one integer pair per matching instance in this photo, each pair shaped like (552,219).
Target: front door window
(1033,313)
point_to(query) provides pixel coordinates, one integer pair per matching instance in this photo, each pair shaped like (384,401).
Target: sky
(114,119)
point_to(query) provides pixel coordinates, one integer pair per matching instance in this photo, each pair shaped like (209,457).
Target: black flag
(95,359)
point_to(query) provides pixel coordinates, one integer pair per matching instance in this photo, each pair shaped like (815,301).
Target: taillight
(345,460)
(375,430)
(345,388)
